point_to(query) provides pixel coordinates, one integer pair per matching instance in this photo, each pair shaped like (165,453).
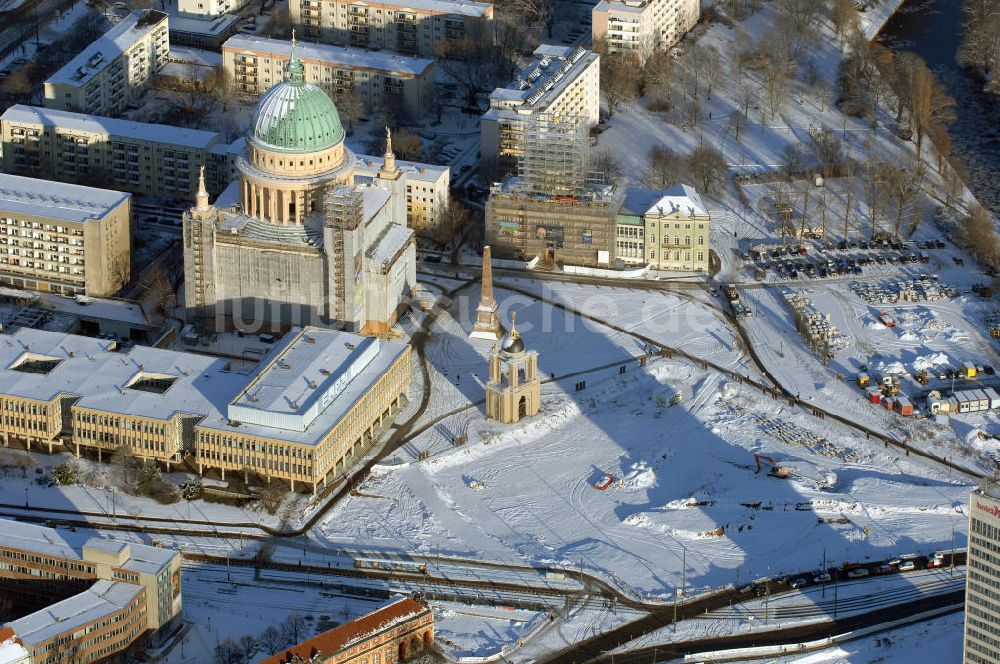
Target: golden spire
(513,330)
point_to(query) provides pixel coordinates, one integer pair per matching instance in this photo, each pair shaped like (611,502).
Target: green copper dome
(295,116)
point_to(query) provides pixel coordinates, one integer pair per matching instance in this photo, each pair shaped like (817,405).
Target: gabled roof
(330,642)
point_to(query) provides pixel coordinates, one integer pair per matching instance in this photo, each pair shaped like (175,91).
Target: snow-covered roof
(42,540)
(37,539)
(369,166)
(333,56)
(638,201)
(456,7)
(101,599)
(679,198)
(393,240)
(141,558)
(619,7)
(373,200)
(196,56)
(21,114)
(309,381)
(199,384)
(106,49)
(57,200)
(542,81)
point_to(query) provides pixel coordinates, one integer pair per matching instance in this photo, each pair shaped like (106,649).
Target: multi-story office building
(115,70)
(667,230)
(561,81)
(136,157)
(380,79)
(423,27)
(642,26)
(426,188)
(311,405)
(982,585)
(85,603)
(64,238)
(572,229)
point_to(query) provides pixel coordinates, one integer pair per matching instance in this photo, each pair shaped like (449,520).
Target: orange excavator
(774,470)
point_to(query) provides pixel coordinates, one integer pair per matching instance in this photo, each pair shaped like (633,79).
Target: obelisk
(487,322)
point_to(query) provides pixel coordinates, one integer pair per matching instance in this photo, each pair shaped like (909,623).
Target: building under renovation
(294,240)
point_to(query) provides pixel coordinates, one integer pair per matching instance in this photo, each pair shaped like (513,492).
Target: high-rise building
(982,585)
(421,27)
(64,238)
(137,157)
(379,79)
(561,81)
(642,26)
(114,70)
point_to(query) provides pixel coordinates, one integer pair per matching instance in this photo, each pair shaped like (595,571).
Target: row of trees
(703,164)
(269,642)
(872,75)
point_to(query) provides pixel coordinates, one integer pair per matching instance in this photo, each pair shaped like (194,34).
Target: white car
(822,578)
(857,573)
(907,566)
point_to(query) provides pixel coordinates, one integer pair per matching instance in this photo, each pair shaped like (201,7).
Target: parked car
(857,573)
(797,583)
(907,566)
(823,577)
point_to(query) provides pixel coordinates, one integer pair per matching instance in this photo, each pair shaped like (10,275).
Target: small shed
(904,406)
(994,398)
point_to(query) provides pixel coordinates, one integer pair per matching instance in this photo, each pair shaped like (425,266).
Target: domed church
(294,241)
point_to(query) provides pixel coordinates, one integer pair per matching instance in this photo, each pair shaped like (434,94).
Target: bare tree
(294,627)
(978,234)
(349,106)
(271,640)
(249,646)
(621,74)
(483,59)
(980,47)
(904,184)
(713,68)
(280,25)
(666,168)
(923,96)
(121,270)
(844,17)
(792,160)
(228,652)
(407,145)
(708,167)
(17,87)
(797,22)
(954,182)
(658,80)
(874,175)
(735,123)
(607,165)
(451,223)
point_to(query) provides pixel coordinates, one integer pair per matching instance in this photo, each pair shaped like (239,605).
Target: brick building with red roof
(395,633)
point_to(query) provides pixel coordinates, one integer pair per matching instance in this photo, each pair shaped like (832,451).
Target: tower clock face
(541,233)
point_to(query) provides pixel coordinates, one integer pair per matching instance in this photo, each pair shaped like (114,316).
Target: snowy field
(684,481)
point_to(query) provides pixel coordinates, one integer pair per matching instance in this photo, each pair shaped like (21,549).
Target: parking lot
(821,260)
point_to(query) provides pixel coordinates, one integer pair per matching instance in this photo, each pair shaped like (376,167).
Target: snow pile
(640,476)
(929,362)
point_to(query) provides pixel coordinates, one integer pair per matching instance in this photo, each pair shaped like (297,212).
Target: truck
(731,293)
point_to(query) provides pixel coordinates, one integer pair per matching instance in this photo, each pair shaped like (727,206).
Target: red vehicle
(886,319)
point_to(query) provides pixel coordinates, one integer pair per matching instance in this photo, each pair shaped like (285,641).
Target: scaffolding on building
(343,211)
(554,161)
